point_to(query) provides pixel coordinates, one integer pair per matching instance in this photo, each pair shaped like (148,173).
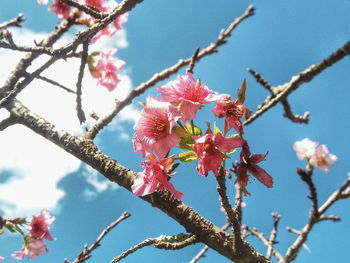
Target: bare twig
(294,118)
(55,83)
(87,9)
(265,241)
(79,108)
(260,80)
(282,92)
(147,242)
(294,231)
(85,254)
(16,22)
(193,62)
(306,176)
(273,234)
(212,48)
(303,234)
(9,121)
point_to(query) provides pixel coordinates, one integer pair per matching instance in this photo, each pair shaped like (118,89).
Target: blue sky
(282,39)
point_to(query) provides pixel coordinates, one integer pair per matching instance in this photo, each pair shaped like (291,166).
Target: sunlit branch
(238,203)
(261,80)
(294,118)
(86,9)
(193,62)
(175,242)
(85,254)
(272,239)
(166,73)
(283,91)
(16,22)
(147,242)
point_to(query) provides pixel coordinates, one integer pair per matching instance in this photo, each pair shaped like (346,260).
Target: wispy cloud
(35,164)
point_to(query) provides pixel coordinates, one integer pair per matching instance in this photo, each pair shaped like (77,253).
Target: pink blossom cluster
(163,124)
(317,155)
(104,66)
(33,240)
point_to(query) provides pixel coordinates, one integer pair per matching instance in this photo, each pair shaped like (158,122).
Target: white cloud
(36,164)
(92,177)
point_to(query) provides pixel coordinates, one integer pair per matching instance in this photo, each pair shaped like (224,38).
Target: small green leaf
(187,156)
(193,129)
(216,129)
(186,143)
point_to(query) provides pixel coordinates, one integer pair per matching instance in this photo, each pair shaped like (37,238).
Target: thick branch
(87,152)
(212,48)
(303,77)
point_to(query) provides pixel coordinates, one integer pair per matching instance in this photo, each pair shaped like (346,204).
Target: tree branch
(16,22)
(212,48)
(86,151)
(283,91)
(147,242)
(85,254)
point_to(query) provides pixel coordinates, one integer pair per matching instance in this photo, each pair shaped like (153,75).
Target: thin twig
(147,242)
(5,123)
(86,9)
(273,234)
(201,253)
(261,80)
(16,22)
(261,237)
(79,107)
(212,48)
(294,118)
(303,77)
(85,254)
(303,234)
(193,62)
(306,176)
(55,83)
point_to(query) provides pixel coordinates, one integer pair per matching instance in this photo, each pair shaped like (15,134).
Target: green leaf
(186,143)
(193,129)
(187,156)
(216,129)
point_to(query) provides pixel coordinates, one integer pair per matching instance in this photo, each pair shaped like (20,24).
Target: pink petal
(227,144)
(257,158)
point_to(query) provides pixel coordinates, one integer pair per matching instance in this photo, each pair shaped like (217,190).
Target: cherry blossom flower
(248,163)
(39,227)
(154,128)
(154,177)
(186,93)
(1,258)
(43,2)
(305,148)
(322,158)
(104,67)
(233,111)
(32,248)
(210,150)
(112,28)
(62,10)
(99,4)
